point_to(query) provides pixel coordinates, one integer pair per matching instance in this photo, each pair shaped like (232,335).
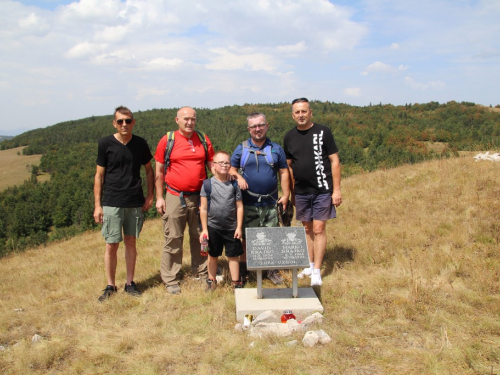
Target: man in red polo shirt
(183,179)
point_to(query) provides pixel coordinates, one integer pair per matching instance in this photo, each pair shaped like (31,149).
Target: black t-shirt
(309,150)
(122,179)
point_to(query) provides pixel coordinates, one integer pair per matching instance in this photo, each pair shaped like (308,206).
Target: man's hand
(98,215)
(337,198)
(242,183)
(160,206)
(148,202)
(284,202)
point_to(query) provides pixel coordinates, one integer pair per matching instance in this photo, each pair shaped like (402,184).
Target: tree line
(370,137)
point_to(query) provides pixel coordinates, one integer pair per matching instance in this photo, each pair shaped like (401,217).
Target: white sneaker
(305,272)
(316,279)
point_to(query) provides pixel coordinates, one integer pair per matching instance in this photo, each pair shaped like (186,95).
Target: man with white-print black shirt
(314,164)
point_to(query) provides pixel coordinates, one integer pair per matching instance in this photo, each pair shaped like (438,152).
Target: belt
(260,196)
(182,194)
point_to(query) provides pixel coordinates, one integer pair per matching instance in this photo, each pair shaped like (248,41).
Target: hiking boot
(108,292)
(132,289)
(211,285)
(173,289)
(275,277)
(305,272)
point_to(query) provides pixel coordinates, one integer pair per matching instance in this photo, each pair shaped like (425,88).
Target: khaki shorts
(115,218)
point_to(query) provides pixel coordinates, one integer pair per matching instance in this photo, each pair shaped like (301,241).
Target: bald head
(186,119)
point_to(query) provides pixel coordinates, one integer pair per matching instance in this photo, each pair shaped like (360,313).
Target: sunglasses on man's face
(128,121)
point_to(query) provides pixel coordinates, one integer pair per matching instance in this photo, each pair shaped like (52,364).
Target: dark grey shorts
(314,207)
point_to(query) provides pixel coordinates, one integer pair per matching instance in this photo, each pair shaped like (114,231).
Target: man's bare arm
(335,163)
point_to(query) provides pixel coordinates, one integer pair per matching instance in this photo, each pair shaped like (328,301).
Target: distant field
(16,168)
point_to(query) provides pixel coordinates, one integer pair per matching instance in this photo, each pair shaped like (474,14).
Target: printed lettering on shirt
(320,169)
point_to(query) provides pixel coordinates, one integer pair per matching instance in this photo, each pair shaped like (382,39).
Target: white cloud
(352,91)
(226,60)
(114,58)
(381,68)
(95,10)
(147,92)
(84,49)
(208,54)
(438,85)
(162,63)
(293,48)
(32,21)
(112,34)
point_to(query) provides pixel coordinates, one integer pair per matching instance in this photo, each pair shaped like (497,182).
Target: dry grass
(411,286)
(16,167)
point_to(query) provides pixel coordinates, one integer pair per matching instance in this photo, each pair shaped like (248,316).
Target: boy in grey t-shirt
(221,214)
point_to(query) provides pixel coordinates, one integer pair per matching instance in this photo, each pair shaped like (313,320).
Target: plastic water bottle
(204,246)
(286,316)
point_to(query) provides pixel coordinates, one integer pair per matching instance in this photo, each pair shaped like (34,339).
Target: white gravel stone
(310,339)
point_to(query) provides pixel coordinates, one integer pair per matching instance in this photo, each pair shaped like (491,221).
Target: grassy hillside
(16,168)
(411,286)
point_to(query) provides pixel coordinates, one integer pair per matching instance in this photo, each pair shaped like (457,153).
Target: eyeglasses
(223,163)
(257,126)
(192,145)
(128,121)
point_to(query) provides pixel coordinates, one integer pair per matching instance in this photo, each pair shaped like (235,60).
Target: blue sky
(64,60)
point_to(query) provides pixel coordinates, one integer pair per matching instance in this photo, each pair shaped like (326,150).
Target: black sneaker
(236,284)
(108,292)
(244,273)
(132,289)
(275,277)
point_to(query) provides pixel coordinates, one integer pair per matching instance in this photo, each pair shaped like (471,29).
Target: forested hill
(368,138)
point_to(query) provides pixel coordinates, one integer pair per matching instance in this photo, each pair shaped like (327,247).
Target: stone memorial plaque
(276,248)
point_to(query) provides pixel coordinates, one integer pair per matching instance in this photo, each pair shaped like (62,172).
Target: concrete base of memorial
(276,300)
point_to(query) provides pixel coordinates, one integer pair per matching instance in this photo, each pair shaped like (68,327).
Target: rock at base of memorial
(310,339)
(324,338)
(270,329)
(265,317)
(294,326)
(312,319)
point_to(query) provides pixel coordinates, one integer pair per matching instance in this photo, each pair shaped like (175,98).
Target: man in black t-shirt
(118,196)
(312,157)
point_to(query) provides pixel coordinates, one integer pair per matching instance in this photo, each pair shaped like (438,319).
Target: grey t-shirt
(223,198)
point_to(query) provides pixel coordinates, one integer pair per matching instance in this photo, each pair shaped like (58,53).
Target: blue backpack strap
(245,154)
(207,185)
(235,185)
(268,153)
(246,151)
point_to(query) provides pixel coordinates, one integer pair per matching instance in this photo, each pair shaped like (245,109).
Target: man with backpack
(181,161)
(260,163)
